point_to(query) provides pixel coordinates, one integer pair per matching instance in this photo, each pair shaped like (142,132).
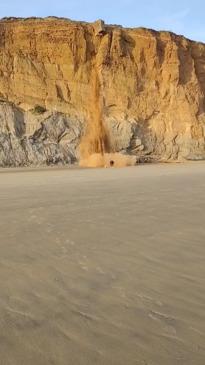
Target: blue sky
(180,16)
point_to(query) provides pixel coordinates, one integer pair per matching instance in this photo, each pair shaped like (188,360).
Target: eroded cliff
(151,85)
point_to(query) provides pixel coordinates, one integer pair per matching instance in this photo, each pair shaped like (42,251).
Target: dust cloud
(108,160)
(95,147)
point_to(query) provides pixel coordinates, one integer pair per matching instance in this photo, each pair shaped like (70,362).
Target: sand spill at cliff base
(108,160)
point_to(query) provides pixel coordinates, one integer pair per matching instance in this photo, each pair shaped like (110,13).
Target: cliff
(151,87)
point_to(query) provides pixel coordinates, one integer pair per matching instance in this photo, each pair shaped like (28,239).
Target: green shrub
(38,109)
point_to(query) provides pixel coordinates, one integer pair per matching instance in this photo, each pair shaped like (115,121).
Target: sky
(185,17)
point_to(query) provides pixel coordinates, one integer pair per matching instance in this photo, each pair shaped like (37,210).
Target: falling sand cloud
(95,146)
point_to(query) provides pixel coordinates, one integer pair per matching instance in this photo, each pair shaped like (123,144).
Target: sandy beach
(103,266)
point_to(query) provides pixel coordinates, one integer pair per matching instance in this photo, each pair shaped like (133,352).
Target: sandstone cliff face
(152,85)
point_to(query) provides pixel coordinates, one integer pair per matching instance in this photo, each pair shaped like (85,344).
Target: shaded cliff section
(152,85)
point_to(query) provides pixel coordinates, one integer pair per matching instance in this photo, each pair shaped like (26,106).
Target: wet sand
(103,266)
